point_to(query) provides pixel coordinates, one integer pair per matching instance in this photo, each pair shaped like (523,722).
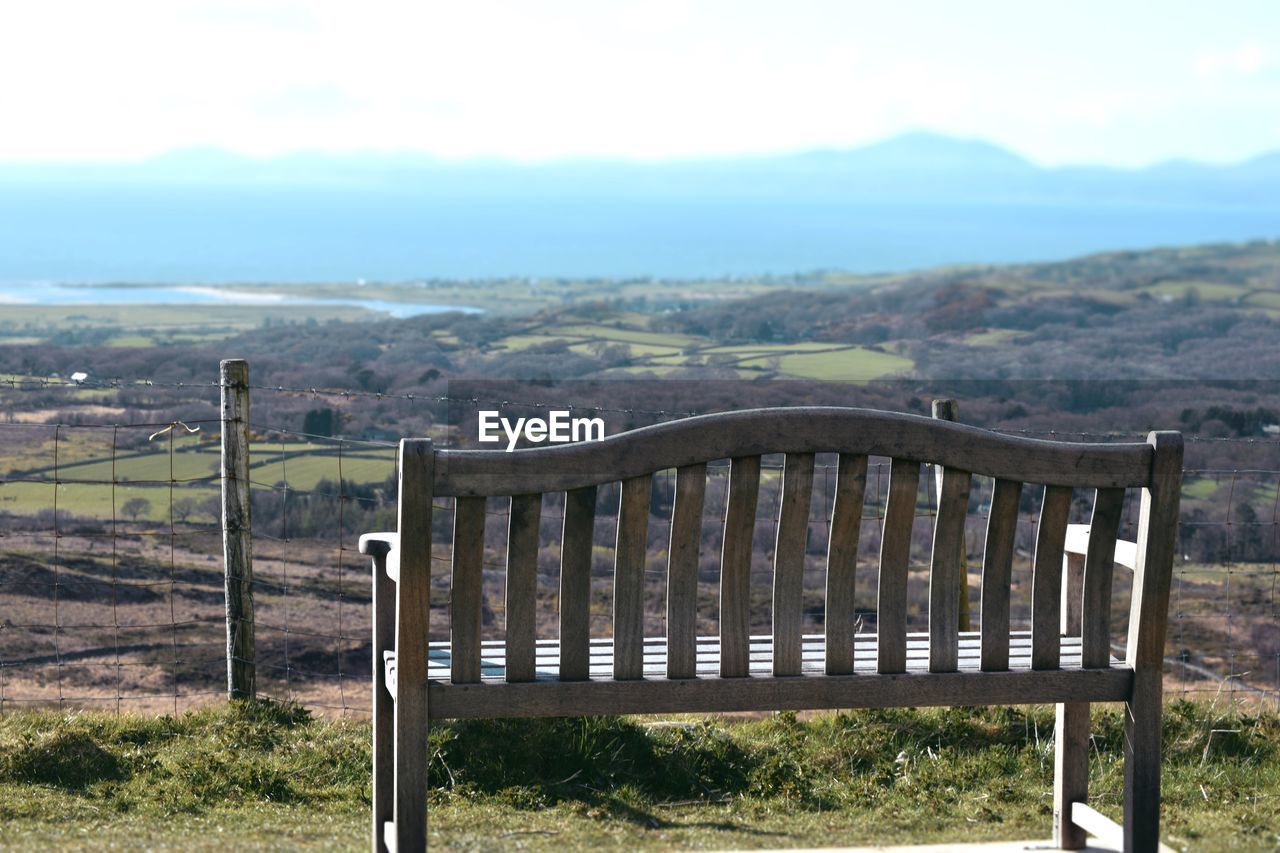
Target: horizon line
(233,154)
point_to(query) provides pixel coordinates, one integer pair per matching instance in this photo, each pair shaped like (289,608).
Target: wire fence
(112,582)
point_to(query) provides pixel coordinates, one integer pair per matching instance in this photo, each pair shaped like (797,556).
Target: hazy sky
(1116,82)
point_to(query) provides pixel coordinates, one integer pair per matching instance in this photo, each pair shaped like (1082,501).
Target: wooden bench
(1064,658)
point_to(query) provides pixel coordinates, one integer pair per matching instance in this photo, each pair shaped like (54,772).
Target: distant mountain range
(914,200)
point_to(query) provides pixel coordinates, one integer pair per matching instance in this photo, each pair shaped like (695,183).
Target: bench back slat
(466,590)
(788,563)
(997,567)
(682,570)
(1099,565)
(523,527)
(1046,578)
(628,578)
(895,551)
(840,616)
(735,566)
(946,571)
(575,583)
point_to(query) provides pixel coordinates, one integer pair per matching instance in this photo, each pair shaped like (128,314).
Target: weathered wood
(813,652)
(946,571)
(1110,834)
(768,693)
(523,527)
(466,589)
(735,565)
(788,562)
(237,530)
(630,673)
(1078,543)
(1072,591)
(792,430)
(895,554)
(628,578)
(413,607)
(949,410)
(997,566)
(840,622)
(1095,594)
(1157,538)
(384,640)
(1046,577)
(682,570)
(575,582)
(1070,771)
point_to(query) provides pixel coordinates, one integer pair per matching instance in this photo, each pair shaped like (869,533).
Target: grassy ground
(270,776)
(86,471)
(147,325)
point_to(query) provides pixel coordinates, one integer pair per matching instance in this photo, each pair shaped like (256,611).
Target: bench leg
(1142,731)
(384,636)
(413,606)
(1070,771)
(411,764)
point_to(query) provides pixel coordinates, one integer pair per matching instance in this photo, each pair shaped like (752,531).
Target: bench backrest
(687,446)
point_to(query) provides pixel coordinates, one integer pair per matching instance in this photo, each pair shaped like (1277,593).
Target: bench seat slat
(766,692)
(760,657)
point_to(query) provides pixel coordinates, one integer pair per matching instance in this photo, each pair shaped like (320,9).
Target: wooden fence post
(237,538)
(949,410)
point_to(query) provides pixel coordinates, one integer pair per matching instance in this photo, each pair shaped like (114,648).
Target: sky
(1121,83)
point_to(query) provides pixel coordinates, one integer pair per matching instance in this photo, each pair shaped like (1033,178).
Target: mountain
(923,163)
(915,200)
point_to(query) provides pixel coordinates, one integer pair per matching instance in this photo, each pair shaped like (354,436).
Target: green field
(1209,291)
(194,468)
(1265,299)
(169,323)
(625,335)
(992,337)
(1201,488)
(846,365)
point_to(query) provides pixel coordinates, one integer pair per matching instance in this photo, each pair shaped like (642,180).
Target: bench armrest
(378,544)
(383,546)
(1078,543)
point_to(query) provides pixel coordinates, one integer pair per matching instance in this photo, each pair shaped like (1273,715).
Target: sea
(181,241)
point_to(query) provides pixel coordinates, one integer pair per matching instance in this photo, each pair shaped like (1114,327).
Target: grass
(992,337)
(627,336)
(193,464)
(252,774)
(227,319)
(844,365)
(269,775)
(1209,291)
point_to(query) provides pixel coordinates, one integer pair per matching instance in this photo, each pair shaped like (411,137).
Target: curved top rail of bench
(801,429)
